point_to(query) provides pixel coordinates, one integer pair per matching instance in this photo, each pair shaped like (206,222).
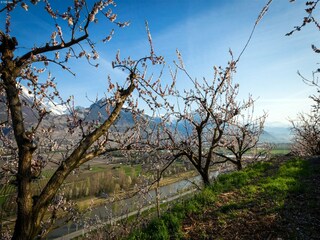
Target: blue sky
(203,31)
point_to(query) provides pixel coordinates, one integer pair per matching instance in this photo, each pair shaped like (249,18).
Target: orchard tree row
(211,125)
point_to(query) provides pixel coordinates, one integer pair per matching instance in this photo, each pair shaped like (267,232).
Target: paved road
(128,207)
(84,231)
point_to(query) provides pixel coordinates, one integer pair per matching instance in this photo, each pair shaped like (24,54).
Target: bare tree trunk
(205,177)
(239,165)
(24,228)
(25,224)
(158,193)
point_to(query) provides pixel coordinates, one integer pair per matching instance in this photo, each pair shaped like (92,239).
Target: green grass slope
(267,200)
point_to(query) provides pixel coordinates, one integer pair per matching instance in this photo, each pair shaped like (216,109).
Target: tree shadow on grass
(300,216)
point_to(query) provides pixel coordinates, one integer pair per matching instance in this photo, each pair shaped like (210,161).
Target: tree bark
(239,165)
(205,177)
(24,227)
(24,224)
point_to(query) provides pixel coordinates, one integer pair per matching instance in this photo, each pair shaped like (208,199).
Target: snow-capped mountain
(273,132)
(54,108)
(51,106)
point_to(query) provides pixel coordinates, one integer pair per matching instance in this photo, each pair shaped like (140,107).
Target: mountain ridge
(273,133)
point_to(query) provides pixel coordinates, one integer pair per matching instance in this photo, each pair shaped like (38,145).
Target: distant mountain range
(273,133)
(97,111)
(276,134)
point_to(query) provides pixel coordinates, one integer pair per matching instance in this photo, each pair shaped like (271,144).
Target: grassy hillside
(268,200)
